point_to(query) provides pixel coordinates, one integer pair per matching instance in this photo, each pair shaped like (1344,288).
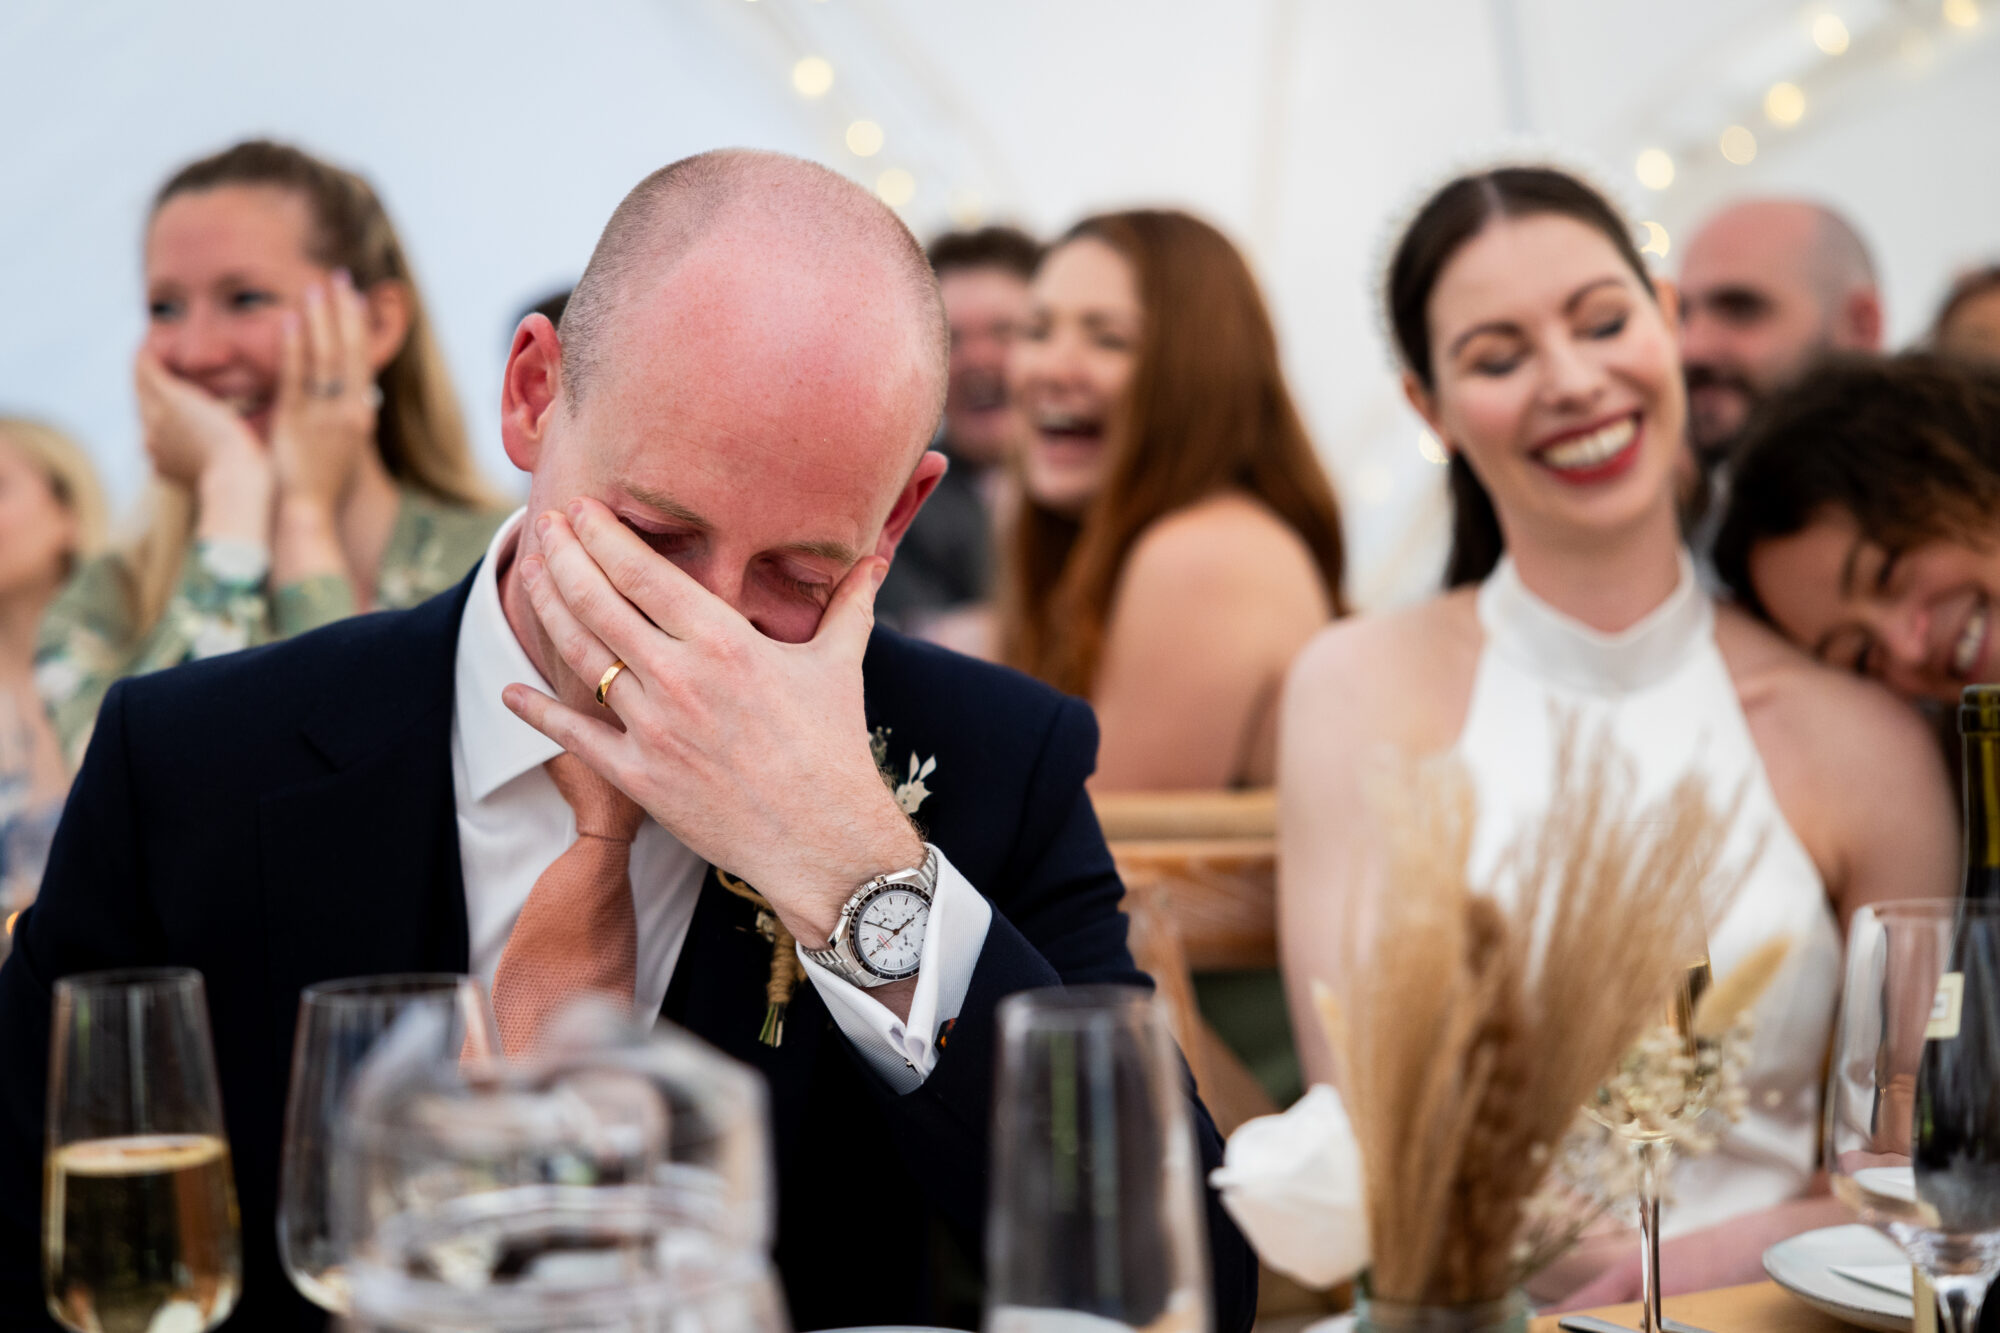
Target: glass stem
(1653,1154)
(1959,1299)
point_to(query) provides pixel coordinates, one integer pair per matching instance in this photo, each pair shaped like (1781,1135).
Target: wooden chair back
(1200,872)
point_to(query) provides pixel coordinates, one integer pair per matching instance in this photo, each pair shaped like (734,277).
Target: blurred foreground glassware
(621,1184)
(1913,1092)
(339,1024)
(139,1230)
(1095,1217)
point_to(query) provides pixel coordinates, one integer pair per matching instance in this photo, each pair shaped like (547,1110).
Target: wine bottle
(1957,1151)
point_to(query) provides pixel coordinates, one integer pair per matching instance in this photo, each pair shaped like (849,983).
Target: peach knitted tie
(577,931)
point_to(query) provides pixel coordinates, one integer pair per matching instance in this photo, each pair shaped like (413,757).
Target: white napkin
(1293,1183)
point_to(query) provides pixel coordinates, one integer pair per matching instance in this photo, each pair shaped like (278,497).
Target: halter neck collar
(1565,651)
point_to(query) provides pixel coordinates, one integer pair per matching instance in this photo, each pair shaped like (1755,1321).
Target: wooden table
(1760,1307)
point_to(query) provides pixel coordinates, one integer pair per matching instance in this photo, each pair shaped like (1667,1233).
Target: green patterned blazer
(223,602)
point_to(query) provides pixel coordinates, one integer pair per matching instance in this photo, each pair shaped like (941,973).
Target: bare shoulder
(1225,542)
(1856,771)
(1811,709)
(1403,677)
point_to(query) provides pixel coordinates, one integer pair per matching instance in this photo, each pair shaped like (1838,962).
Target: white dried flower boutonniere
(908,789)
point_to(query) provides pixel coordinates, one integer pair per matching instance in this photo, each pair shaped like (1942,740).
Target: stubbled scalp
(817,230)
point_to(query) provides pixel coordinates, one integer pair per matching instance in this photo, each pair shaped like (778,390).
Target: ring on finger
(328,389)
(604,681)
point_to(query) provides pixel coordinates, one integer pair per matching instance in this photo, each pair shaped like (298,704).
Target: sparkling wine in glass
(339,1024)
(139,1227)
(1663,1084)
(1913,1093)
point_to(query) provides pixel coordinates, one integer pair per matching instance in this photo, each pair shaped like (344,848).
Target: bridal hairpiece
(1508,151)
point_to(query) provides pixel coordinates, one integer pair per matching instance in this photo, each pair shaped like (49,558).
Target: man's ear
(530,390)
(1860,319)
(930,470)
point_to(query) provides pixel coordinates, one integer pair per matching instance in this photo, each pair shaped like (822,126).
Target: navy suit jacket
(285,816)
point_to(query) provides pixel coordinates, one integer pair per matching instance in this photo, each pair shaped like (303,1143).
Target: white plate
(1804,1266)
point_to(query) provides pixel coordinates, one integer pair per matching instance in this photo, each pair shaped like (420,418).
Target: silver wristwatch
(880,935)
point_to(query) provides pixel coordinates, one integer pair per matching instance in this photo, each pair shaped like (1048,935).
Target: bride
(1539,351)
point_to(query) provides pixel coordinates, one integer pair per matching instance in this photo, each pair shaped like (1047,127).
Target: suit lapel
(360,864)
(718,993)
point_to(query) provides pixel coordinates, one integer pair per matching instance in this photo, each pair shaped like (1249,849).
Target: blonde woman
(308,456)
(51,517)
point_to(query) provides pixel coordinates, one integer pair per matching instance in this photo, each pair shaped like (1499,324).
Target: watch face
(889,935)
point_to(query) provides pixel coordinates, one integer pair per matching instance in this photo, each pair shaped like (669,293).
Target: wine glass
(1662,1084)
(1096,1210)
(339,1024)
(1913,1092)
(139,1229)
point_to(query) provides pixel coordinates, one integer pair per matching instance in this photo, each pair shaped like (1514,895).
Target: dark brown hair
(1207,410)
(1909,447)
(1976,283)
(1005,248)
(1447,221)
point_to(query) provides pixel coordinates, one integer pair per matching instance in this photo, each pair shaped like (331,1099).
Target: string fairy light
(1785,104)
(895,187)
(812,77)
(864,138)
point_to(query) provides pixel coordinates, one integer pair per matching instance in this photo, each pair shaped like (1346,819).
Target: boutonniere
(909,790)
(786,969)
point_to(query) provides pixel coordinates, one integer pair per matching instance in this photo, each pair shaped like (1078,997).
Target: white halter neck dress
(1668,698)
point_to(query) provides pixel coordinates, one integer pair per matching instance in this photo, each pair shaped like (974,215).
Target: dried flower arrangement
(1466,1035)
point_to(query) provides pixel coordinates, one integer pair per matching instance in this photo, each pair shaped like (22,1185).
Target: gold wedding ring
(604,681)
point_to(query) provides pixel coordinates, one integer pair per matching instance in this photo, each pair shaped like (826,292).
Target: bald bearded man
(725,441)
(1767,287)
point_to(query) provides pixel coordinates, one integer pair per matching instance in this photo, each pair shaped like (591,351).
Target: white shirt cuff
(904,1053)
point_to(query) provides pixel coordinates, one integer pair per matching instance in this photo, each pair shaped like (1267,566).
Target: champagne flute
(1661,1085)
(1913,1092)
(139,1229)
(339,1025)
(1095,1212)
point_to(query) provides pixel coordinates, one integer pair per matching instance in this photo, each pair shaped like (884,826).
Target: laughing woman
(1178,542)
(1539,351)
(308,457)
(1864,521)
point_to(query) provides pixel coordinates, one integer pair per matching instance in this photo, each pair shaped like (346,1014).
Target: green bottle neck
(1982,807)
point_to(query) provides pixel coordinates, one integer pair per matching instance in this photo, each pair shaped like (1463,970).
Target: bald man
(1768,286)
(672,645)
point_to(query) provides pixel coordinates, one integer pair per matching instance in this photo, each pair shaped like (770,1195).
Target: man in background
(1768,287)
(946,560)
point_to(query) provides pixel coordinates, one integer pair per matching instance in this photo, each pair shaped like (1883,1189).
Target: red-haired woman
(1178,541)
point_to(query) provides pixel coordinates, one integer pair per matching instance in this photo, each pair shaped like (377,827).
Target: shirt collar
(498,746)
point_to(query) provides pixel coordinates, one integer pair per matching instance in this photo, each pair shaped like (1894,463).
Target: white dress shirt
(512,823)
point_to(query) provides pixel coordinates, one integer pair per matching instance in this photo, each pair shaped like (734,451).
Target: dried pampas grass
(1468,1034)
